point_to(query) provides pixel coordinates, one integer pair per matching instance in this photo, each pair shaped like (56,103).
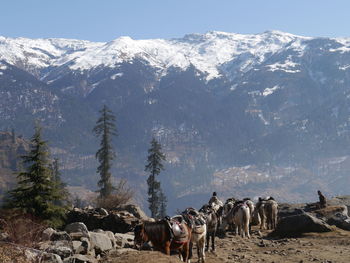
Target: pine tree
(154,166)
(105,128)
(35,193)
(163,204)
(59,185)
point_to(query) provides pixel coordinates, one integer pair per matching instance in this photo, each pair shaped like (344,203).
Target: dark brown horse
(162,238)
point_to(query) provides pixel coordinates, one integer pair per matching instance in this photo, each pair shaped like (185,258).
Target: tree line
(40,191)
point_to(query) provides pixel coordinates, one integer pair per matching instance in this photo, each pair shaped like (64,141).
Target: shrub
(22,229)
(121,195)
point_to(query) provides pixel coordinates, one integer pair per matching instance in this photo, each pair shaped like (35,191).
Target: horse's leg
(201,246)
(207,243)
(213,241)
(167,248)
(185,251)
(191,251)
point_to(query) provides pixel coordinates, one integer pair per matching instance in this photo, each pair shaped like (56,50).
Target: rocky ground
(312,247)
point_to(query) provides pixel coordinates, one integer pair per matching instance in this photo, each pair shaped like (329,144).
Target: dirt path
(332,247)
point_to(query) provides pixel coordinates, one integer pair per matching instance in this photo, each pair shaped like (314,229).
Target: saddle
(193,218)
(177,229)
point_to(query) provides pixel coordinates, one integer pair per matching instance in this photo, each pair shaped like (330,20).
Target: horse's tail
(246,220)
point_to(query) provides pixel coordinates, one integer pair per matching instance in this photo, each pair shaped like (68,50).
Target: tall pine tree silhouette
(105,128)
(154,166)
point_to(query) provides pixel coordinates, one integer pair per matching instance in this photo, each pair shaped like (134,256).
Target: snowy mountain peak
(207,52)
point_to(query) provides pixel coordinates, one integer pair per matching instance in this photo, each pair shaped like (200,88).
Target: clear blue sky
(105,20)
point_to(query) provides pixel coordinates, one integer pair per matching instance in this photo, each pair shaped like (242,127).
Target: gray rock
(124,240)
(47,233)
(301,223)
(79,247)
(59,236)
(134,210)
(100,242)
(77,230)
(62,248)
(340,220)
(111,237)
(4,237)
(102,211)
(50,258)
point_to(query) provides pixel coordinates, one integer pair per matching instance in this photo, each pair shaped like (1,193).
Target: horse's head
(206,209)
(140,236)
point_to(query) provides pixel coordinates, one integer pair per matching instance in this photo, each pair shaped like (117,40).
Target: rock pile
(295,219)
(89,235)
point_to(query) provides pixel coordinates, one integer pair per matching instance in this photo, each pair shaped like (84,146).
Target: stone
(124,240)
(77,230)
(100,242)
(50,258)
(111,237)
(117,222)
(62,248)
(47,233)
(301,223)
(134,210)
(62,235)
(102,211)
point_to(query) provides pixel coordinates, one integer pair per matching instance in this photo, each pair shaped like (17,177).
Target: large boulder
(135,211)
(124,240)
(63,248)
(115,221)
(100,242)
(47,233)
(340,200)
(77,230)
(300,223)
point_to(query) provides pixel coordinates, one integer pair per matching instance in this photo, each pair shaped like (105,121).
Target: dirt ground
(331,247)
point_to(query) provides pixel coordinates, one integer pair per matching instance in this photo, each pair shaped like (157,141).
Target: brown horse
(162,238)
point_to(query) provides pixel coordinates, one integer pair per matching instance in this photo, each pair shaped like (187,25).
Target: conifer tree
(35,193)
(105,128)
(59,185)
(154,166)
(163,204)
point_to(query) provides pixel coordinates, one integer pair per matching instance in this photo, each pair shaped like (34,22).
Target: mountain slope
(217,102)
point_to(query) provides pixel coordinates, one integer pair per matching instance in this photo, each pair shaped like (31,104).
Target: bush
(121,195)
(22,229)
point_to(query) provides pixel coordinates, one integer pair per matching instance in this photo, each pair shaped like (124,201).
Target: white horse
(239,215)
(271,211)
(267,209)
(199,234)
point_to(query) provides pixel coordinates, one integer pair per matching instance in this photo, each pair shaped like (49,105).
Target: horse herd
(179,233)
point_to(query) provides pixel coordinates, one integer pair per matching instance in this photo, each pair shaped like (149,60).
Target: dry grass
(22,229)
(12,254)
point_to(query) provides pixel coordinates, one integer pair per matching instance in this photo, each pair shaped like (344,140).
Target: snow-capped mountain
(206,52)
(216,101)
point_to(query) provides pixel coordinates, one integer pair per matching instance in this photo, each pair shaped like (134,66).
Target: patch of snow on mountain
(288,66)
(269,91)
(345,67)
(117,75)
(345,45)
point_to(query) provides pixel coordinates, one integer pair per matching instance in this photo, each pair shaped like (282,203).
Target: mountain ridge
(275,101)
